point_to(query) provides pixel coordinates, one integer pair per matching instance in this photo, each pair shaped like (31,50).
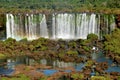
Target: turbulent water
(61,26)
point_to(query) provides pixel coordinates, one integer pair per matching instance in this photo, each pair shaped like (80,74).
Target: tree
(112,42)
(114,3)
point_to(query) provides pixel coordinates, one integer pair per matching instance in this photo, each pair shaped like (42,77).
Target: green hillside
(60,5)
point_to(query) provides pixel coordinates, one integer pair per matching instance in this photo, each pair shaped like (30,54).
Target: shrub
(89,63)
(70,52)
(77,76)
(2,56)
(92,37)
(72,44)
(86,48)
(43,48)
(98,78)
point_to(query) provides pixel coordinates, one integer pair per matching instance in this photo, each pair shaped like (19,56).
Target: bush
(86,48)
(89,63)
(77,76)
(43,48)
(72,52)
(24,40)
(72,44)
(92,37)
(2,56)
(112,42)
(98,78)
(10,40)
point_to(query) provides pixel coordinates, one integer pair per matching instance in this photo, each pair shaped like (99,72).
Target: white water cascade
(30,27)
(71,26)
(63,25)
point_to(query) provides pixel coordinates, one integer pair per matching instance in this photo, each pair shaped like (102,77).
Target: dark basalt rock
(117,20)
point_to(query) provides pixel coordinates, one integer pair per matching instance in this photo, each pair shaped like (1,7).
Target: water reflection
(62,64)
(9,66)
(101,58)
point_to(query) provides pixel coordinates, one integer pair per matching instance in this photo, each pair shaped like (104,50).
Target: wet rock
(115,73)
(117,19)
(117,59)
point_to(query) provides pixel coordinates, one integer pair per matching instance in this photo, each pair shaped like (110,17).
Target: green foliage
(118,77)
(72,44)
(70,52)
(92,37)
(2,56)
(31,47)
(114,3)
(61,55)
(42,40)
(62,45)
(112,42)
(43,48)
(10,40)
(86,48)
(77,76)
(89,63)
(85,42)
(58,4)
(2,21)
(24,40)
(27,69)
(98,78)
(107,37)
(44,78)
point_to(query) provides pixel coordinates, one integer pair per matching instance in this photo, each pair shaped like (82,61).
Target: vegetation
(2,56)
(99,78)
(51,49)
(43,47)
(87,44)
(92,37)
(70,52)
(112,42)
(77,76)
(59,5)
(89,63)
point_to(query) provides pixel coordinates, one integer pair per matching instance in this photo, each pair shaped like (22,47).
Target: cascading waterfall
(79,25)
(74,26)
(28,26)
(10,19)
(64,25)
(86,25)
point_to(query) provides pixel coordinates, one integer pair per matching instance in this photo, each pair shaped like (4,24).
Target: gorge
(58,43)
(59,39)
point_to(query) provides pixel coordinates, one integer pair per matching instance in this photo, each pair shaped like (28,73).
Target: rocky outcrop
(117,20)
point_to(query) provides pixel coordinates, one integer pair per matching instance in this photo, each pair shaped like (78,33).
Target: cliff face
(117,20)
(2,26)
(2,20)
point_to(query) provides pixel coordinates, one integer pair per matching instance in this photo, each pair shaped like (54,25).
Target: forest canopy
(57,4)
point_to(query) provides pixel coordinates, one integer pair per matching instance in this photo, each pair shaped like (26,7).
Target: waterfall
(71,26)
(63,25)
(10,21)
(86,24)
(26,26)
